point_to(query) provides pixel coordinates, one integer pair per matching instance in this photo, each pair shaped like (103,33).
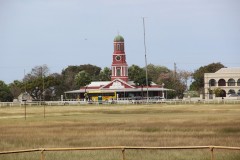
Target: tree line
(43,85)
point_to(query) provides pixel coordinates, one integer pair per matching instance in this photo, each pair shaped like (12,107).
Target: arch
(118,71)
(223,93)
(231,91)
(118,47)
(220,92)
(231,82)
(221,82)
(212,82)
(238,82)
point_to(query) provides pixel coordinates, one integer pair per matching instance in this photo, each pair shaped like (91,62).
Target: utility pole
(24,81)
(39,87)
(175,71)
(42,100)
(43,86)
(145,49)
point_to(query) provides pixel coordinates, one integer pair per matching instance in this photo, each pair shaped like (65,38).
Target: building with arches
(119,79)
(227,80)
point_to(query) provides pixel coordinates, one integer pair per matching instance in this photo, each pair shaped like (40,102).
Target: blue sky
(59,33)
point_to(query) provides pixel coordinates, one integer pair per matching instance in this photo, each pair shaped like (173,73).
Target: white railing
(120,101)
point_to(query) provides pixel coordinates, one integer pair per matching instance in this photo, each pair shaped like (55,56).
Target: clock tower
(119,64)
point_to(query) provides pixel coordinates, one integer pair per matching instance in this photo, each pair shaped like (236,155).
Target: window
(212,82)
(118,72)
(231,91)
(231,82)
(221,82)
(238,82)
(118,47)
(221,94)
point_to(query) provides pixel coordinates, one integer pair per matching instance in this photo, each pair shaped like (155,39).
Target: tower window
(118,47)
(118,72)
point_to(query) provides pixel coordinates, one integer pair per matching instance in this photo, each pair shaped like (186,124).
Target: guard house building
(226,79)
(119,78)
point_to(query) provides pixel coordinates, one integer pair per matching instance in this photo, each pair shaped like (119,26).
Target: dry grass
(153,125)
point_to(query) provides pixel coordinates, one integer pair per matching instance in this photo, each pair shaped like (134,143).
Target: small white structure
(28,98)
(227,79)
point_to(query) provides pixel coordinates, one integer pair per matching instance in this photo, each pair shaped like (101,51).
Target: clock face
(118,58)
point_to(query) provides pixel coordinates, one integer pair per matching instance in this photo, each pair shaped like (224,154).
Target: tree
(92,70)
(45,88)
(198,75)
(184,76)
(134,71)
(105,74)
(5,94)
(154,71)
(16,88)
(34,81)
(37,71)
(41,85)
(140,80)
(52,87)
(82,79)
(57,85)
(69,74)
(174,82)
(162,75)
(71,71)
(34,87)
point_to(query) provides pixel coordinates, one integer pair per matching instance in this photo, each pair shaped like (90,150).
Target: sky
(59,33)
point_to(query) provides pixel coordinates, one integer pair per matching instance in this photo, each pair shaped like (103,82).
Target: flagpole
(145,49)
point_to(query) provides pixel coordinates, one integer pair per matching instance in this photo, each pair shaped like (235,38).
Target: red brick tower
(119,64)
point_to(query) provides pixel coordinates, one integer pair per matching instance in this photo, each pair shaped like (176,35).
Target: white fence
(121,101)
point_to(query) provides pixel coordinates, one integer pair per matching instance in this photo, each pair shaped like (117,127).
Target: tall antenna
(175,70)
(145,56)
(24,81)
(43,85)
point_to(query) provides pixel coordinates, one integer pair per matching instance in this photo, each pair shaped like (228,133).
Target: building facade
(119,78)
(227,80)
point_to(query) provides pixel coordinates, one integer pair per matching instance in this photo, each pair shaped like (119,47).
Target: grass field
(142,125)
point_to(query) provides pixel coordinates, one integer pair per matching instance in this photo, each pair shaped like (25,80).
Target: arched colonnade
(228,83)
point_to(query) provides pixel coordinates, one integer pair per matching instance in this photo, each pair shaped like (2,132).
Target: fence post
(123,153)
(212,155)
(42,155)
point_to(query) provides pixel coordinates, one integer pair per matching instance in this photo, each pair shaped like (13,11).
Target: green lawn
(142,125)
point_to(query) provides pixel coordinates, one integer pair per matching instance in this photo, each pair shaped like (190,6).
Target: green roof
(118,38)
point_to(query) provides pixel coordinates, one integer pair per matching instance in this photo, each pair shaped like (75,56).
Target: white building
(227,79)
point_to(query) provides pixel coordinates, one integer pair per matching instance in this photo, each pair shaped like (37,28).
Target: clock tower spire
(119,64)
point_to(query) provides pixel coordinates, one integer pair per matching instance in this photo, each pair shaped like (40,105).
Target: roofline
(122,90)
(117,79)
